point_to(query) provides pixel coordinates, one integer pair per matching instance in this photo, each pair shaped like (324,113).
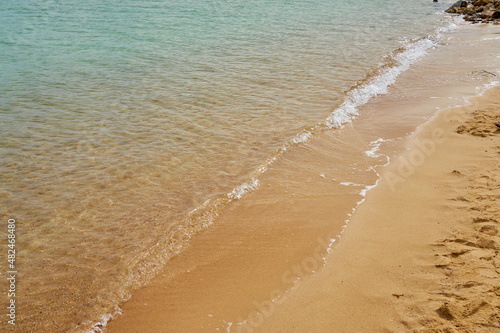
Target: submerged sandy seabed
(420,253)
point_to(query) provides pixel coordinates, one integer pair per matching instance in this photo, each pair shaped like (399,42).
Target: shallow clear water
(119,119)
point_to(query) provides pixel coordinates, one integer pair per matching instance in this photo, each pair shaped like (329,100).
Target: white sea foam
(490,85)
(243,189)
(413,51)
(366,189)
(99,326)
(379,84)
(376,147)
(450,27)
(303,137)
(350,184)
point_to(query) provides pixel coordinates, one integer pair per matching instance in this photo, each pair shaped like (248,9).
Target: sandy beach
(258,166)
(420,254)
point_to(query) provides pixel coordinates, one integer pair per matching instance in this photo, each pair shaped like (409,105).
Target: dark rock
(477,10)
(458,4)
(490,14)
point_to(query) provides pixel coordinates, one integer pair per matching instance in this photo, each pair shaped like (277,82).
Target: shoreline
(247,265)
(243,161)
(437,268)
(356,97)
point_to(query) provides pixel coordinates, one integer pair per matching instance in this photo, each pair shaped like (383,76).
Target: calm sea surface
(125,125)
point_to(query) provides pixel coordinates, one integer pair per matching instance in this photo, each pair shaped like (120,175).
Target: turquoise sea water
(118,119)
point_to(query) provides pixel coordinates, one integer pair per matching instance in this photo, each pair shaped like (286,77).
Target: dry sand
(458,288)
(419,255)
